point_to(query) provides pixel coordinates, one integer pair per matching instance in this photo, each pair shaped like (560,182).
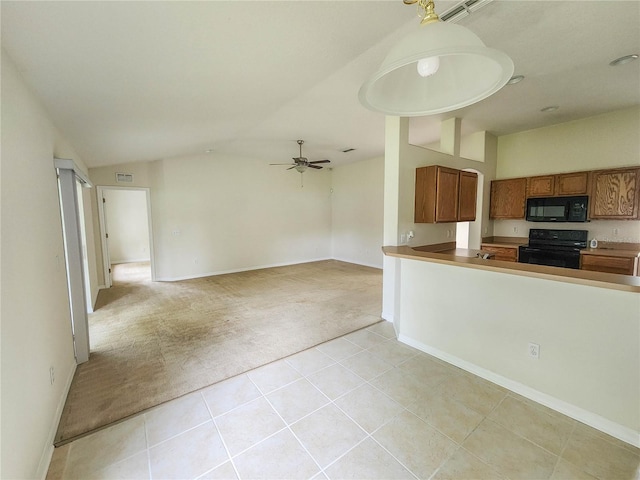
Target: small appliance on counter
(556,248)
(557,209)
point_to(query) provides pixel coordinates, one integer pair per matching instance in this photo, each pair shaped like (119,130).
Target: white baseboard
(47,453)
(257,267)
(609,427)
(387,316)
(130,260)
(364,264)
(237,270)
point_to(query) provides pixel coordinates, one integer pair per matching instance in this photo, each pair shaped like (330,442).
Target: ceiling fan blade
(321,161)
(318,167)
(291,167)
(280,164)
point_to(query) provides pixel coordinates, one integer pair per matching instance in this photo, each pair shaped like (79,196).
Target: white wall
(589,337)
(483,151)
(401,161)
(36,325)
(357,204)
(213,214)
(127,225)
(605,141)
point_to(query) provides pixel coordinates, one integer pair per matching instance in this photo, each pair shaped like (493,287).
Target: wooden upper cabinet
(443,194)
(615,194)
(576,183)
(542,186)
(508,198)
(447,194)
(467,197)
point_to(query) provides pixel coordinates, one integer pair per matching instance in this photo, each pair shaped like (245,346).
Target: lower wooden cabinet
(603,263)
(507,254)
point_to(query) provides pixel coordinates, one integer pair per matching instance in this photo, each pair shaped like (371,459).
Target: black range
(556,248)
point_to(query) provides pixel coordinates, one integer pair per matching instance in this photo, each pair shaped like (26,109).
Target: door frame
(106,260)
(69,176)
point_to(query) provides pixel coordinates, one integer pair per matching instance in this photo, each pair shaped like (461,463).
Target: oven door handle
(532,249)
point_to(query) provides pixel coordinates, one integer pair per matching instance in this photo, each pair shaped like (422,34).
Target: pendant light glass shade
(468,72)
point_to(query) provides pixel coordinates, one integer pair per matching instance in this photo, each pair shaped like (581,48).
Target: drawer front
(508,254)
(602,263)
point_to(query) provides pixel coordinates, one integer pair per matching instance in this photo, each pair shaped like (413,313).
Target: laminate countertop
(467,258)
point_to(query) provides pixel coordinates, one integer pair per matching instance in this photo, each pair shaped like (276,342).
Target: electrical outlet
(534,350)
(515,229)
(615,231)
(403,238)
(52,375)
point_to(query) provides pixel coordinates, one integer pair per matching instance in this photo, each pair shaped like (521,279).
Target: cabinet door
(540,186)
(507,254)
(576,183)
(447,194)
(508,198)
(425,195)
(602,263)
(467,197)
(614,194)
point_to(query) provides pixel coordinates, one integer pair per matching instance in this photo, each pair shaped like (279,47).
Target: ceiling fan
(301,163)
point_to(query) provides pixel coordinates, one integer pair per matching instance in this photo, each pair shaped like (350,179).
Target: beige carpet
(154,341)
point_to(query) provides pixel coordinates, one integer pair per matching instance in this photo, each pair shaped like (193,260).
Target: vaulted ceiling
(140,81)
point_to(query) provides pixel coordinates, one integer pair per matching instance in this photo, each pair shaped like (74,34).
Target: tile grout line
(564,447)
(148,449)
(302,376)
(125,458)
(224,443)
(288,427)
(331,402)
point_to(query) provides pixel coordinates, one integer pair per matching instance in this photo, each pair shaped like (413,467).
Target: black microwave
(557,209)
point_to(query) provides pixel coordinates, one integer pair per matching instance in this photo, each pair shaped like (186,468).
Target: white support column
(396,133)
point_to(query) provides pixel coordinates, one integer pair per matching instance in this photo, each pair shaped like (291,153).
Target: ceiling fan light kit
(302,163)
(438,68)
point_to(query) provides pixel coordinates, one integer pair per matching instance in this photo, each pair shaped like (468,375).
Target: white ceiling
(141,81)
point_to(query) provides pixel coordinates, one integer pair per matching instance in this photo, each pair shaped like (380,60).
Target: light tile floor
(361,406)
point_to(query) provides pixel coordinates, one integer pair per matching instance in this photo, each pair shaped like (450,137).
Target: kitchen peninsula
(482,315)
(469,258)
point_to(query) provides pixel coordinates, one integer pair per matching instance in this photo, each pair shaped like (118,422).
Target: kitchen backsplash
(603,230)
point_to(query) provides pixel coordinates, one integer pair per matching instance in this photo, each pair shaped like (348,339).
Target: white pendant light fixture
(438,68)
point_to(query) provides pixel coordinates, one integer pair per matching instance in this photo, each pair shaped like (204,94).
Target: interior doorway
(125,229)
